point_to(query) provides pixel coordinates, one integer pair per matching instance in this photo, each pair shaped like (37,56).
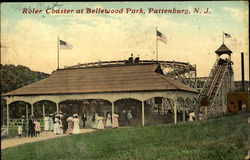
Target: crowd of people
(63,124)
(33,130)
(70,124)
(59,124)
(99,122)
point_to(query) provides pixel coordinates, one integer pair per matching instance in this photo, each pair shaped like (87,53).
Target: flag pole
(57,52)
(156,46)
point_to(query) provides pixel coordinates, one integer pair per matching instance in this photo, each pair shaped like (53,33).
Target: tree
(14,77)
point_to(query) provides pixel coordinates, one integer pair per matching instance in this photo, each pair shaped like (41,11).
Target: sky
(30,39)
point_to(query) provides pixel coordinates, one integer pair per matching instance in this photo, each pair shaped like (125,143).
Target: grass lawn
(224,138)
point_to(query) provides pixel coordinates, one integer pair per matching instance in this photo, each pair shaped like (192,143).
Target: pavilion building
(142,88)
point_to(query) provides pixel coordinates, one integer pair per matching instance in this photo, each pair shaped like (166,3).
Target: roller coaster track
(213,96)
(181,71)
(122,62)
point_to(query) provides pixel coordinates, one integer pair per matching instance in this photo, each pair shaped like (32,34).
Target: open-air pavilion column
(142,112)
(113,109)
(175,110)
(184,115)
(43,111)
(8,119)
(27,112)
(174,97)
(27,119)
(32,109)
(57,108)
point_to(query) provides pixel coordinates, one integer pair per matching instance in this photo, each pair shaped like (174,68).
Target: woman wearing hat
(46,123)
(76,129)
(100,124)
(115,121)
(37,127)
(24,126)
(108,121)
(51,123)
(95,121)
(70,125)
(58,125)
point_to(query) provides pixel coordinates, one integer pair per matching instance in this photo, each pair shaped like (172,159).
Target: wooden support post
(43,111)
(27,119)
(32,109)
(113,110)
(8,119)
(184,115)
(162,108)
(57,108)
(142,104)
(175,111)
(3,114)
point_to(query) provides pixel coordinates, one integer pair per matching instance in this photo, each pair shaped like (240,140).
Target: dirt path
(11,142)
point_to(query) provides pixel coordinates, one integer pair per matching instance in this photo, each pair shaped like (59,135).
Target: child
(37,128)
(19,130)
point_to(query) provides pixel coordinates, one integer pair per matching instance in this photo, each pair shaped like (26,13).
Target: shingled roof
(125,78)
(223,50)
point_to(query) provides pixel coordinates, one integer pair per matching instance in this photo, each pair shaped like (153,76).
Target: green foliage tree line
(14,77)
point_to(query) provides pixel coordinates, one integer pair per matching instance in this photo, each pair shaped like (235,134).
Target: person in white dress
(115,121)
(70,125)
(57,125)
(94,125)
(129,117)
(76,129)
(100,124)
(108,121)
(20,130)
(51,123)
(46,123)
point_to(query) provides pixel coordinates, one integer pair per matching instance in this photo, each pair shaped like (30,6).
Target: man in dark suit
(31,126)
(64,123)
(123,118)
(84,119)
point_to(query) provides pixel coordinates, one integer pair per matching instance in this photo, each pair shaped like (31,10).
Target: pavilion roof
(123,78)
